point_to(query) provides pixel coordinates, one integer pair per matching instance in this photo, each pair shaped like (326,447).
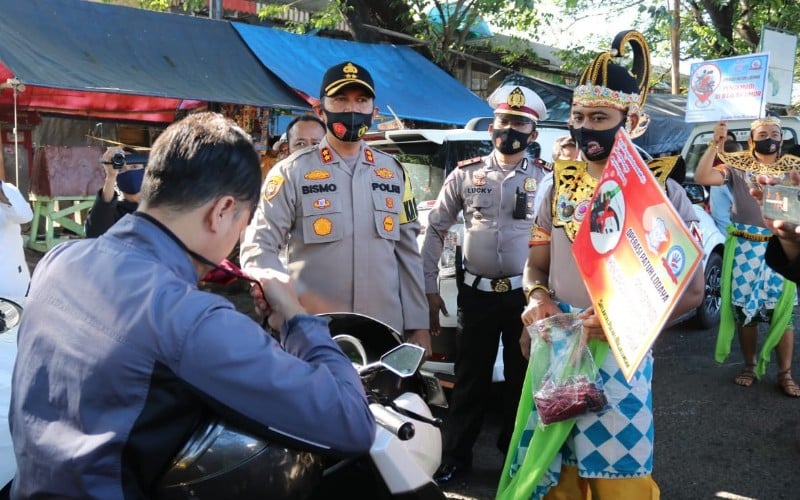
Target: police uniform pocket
(387,214)
(481,208)
(322,228)
(321,214)
(320,203)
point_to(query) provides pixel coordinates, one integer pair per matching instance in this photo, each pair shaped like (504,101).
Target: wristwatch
(538,285)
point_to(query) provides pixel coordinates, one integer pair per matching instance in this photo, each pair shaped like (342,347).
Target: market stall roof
(405,81)
(106,51)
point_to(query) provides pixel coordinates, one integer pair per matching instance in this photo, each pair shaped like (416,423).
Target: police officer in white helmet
(496,194)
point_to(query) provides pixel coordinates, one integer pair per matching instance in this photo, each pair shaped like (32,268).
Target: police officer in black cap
(347,214)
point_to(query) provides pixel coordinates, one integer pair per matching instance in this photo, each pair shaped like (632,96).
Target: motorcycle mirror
(352,348)
(404,360)
(10,314)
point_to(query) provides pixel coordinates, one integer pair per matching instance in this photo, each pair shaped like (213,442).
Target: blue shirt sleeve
(308,392)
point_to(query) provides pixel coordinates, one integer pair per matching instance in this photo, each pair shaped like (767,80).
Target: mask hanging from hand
(595,144)
(348,126)
(130,181)
(767,146)
(509,141)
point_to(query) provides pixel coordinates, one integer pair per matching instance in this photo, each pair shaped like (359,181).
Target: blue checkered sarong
(754,285)
(614,443)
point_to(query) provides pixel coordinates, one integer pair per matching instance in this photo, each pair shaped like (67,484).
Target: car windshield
(428,163)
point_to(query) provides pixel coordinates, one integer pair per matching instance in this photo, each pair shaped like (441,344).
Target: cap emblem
(516,98)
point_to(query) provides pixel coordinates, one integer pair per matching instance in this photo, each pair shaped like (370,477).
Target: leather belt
(493,284)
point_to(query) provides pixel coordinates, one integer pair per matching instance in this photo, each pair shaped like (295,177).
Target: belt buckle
(501,285)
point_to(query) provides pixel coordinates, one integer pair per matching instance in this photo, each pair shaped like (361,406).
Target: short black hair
(302,118)
(200,158)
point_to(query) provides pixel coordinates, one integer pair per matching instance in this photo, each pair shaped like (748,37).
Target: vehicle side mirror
(403,360)
(696,192)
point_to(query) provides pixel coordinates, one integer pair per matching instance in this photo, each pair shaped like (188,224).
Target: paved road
(714,440)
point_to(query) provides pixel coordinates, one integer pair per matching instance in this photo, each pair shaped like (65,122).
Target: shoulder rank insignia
(326,155)
(384,173)
(368,155)
(317,175)
(470,161)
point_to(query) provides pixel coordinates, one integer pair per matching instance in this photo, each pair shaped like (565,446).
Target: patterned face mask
(348,126)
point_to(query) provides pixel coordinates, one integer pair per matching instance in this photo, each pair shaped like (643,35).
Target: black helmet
(222,462)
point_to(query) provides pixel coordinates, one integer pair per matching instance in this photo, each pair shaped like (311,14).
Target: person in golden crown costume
(752,292)
(609,454)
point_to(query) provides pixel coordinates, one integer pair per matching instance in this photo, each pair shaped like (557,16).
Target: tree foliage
(328,18)
(709,29)
(444,28)
(164,5)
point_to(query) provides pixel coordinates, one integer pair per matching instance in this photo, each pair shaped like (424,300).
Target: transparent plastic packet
(571,384)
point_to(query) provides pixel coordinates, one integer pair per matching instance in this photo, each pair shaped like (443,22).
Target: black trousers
(485,317)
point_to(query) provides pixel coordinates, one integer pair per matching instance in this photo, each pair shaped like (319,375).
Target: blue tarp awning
(414,87)
(94,47)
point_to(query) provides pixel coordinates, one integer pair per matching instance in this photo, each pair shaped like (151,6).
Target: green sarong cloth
(781,315)
(546,440)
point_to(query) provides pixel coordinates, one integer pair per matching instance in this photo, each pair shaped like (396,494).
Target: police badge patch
(323,226)
(273,186)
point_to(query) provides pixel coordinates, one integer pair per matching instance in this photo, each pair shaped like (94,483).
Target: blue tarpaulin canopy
(93,47)
(414,87)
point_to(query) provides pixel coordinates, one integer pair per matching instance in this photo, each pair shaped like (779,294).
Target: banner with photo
(635,255)
(727,89)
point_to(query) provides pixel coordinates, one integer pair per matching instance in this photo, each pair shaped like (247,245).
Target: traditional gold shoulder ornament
(744,160)
(662,167)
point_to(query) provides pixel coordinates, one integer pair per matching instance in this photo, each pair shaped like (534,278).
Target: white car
(10,315)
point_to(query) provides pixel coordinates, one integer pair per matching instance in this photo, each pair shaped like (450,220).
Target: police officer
(348,216)
(496,194)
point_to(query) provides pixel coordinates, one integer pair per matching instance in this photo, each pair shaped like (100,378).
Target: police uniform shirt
(351,232)
(495,238)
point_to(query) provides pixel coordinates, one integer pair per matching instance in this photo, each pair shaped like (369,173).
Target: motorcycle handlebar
(396,425)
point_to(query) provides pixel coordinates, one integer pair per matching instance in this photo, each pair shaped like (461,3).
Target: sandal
(747,376)
(787,385)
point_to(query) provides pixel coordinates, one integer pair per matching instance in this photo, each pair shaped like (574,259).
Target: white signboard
(781,47)
(727,89)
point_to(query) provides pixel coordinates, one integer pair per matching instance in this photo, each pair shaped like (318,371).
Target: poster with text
(635,255)
(727,89)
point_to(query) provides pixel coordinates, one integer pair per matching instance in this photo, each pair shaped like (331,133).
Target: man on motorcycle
(121,355)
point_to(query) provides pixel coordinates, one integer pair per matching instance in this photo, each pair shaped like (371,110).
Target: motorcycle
(219,460)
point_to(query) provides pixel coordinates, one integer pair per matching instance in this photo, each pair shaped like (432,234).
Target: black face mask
(348,126)
(509,141)
(604,139)
(767,146)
